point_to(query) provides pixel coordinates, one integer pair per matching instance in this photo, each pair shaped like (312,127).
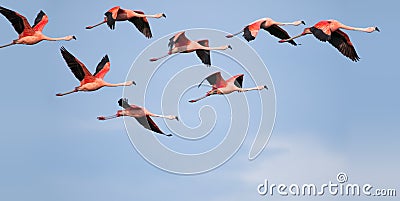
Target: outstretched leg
(70,92)
(232,35)
(91,27)
(12,43)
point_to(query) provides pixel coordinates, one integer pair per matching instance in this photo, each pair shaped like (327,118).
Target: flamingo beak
(229,46)
(377,29)
(303,22)
(164,15)
(73,37)
(133,82)
(265,86)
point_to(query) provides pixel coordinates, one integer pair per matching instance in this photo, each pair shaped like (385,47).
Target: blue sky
(332,115)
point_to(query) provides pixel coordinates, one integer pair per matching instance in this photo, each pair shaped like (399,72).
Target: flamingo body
(179,43)
(29,35)
(250,31)
(222,87)
(141,114)
(329,30)
(136,17)
(89,82)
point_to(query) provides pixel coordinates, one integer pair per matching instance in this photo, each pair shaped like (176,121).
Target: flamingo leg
(8,45)
(155,59)
(70,92)
(292,38)
(232,35)
(91,27)
(107,118)
(195,100)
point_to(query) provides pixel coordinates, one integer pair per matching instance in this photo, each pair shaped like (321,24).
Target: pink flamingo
(329,30)
(29,35)
(179,43)
(221,86)
(137,17)
(250,31)
(89,82)
(142,115)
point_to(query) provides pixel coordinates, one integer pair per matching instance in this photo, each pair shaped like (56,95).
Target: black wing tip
(122,101)
(106,59)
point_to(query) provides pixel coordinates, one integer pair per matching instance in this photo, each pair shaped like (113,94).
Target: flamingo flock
(325,31)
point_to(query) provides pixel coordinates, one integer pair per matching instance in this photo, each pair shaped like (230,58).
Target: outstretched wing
(102,68)
(341,41)
(250,31)
(215,80)
(239,80)
(178,40)
(77,67)
(142,24)
(204,55)
(123,102)
(19,22)
(148,123)
(111,16)
(278,32)
(322,30)
(40,21)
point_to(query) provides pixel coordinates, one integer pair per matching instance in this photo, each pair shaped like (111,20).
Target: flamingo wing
(204,55)
(178,40)
(77,67)
(278,32)
(40,21)
(19,22)
(111,16)
(148,123)
(238,80)
(215,80)
(341,41)
(250,31)
(102,68)
(141,24)
(123,102)
(322,30)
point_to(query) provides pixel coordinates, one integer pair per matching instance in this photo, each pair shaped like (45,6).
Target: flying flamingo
(137,17)
(142,115)
(88,81)
(221,86)
(250,31)
(179,43)
(29,35)
(329,30)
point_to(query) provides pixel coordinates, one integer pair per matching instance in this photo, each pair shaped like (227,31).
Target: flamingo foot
(101,118)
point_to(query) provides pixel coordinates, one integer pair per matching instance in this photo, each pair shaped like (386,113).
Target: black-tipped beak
(74,37)
(177,118)
(229,46)
(164,15)
(265,86)
(303,22)
(133,82)
(377,29)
